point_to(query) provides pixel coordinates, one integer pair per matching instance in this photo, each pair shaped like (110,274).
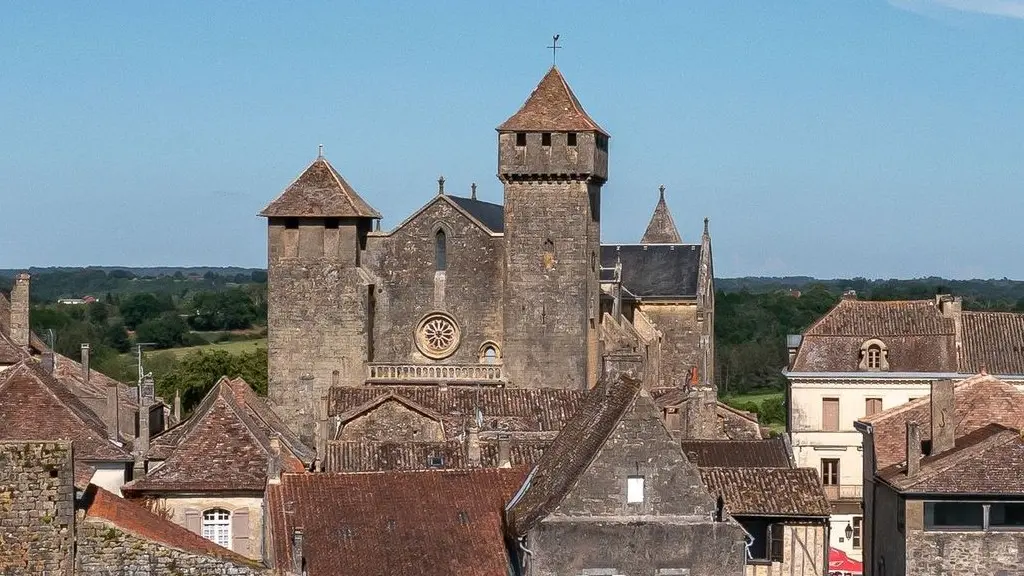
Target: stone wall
(954,553)
(36,508)
(469,289)
(392,422)
(246,518)
(552,242)
(104,550)
(680,343)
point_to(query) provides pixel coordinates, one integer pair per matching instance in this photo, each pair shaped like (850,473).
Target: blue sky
(840,138)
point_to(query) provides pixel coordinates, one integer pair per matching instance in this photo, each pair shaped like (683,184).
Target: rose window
(437,335)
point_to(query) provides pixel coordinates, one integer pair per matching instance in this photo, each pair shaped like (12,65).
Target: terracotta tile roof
(510,409)
(223,446)
(768,491)
(436,522)
(771,453)
(736,424)
(320,192)
(662,228)
(917,336)
(9,352)
(575,447)
(978,401)
(551,107)
(102,506)
(994,342)
(989,460)
(27,392)
(365,456)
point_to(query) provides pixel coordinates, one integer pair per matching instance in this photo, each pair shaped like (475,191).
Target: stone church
(471,295)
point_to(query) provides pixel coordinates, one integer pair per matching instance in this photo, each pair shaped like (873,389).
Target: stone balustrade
(488,374)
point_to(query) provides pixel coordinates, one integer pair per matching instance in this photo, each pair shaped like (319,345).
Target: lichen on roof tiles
(551,107)
(320,192)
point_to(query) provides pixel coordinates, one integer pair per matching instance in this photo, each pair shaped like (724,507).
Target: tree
(167,331)
(139,308)
(116,337)
(198,371)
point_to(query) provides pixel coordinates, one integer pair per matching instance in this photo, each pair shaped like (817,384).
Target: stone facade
(804,550)
(517,285)
(37,515)
(104,550)
(393,421)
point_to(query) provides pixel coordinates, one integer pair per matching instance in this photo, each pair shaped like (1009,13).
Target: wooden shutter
(194,521)
(240,531)
(830,414)
(776,541)
(874,406)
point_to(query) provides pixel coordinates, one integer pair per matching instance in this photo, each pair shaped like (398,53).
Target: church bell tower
(552,160)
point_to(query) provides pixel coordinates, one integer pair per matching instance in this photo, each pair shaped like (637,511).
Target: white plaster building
(863,357)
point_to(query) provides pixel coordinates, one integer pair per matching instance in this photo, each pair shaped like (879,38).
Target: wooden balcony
(483,374)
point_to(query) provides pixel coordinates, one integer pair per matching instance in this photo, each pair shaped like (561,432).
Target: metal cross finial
(320,151)
(440,185)
(661,191)
(554,47)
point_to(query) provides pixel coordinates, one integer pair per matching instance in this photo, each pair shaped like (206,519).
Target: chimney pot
(49,362)
(20,331)
(943,416)
(504,451)
(274,463)
(85,362)
(913,449)
(113,414)
(297,553)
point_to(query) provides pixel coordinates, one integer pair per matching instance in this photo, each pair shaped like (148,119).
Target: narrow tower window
(520,138)
(571,139)
(545,139)
(291,223)
(331,223)
(440,251)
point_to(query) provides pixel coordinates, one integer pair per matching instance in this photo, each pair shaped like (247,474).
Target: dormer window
(520,139)
(874,356)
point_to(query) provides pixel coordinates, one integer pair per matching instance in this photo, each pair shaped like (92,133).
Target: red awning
(840,563)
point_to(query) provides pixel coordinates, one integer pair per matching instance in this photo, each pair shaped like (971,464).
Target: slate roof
(770,453)
(569,456)
(35,406)
(551,107)
(752,491)
(662,228)
(490,215)
(435,522)
(102,506)
(917,336)
(223,446)
(993,342)
(509,409)
(986,461)
(656,270)
(978,401)
(320,192)
(367,456)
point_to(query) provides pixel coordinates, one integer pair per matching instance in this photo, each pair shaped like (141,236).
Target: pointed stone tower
(553,160)
(317,299)
(662,228)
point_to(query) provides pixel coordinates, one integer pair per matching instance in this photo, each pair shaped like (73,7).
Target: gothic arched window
(440,251)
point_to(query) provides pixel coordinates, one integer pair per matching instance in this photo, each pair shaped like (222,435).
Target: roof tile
(551,107)
(320,192)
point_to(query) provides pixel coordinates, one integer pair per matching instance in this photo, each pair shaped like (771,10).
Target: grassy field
(231,347)
(756,397)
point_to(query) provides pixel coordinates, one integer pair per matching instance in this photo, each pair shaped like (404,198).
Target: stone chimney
(146,394)
(113,413)
(504,451)
(297,554)
(85,362)
(274,463)
(177,406)
(943,416)
(19,310)
(913,449)
(473,444)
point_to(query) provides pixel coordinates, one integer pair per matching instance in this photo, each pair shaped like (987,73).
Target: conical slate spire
(662,228)
(551,107)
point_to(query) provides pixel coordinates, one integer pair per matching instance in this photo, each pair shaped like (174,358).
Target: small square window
(331,223)
(520,138)
(635,489)
(545,139)
(291,223)
(570,139)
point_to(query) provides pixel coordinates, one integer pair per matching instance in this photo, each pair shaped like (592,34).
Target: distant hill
(50,284)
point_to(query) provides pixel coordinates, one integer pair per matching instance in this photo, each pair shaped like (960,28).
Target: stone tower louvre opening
(552,159)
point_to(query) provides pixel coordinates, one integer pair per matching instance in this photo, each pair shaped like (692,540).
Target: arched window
(874,357)
(489,353)
(217,526)
(440,251)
